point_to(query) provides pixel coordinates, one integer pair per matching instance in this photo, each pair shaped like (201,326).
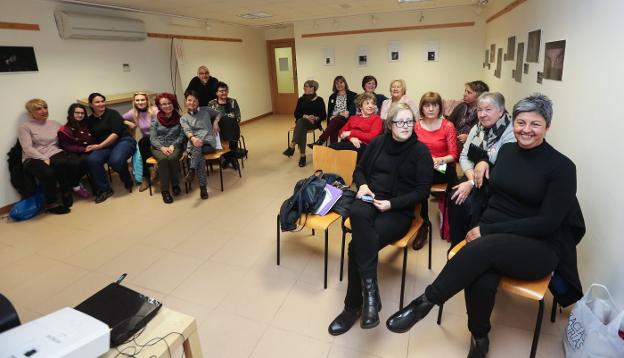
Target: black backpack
(22,182)
(307,197)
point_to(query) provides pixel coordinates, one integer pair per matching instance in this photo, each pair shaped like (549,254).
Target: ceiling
(282,11)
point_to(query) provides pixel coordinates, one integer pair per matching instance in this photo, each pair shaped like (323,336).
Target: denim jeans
(116,156)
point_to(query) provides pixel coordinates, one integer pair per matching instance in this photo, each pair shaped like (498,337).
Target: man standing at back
(204,85)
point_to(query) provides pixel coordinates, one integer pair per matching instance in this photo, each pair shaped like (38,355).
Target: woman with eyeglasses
(361,128)
(393,176)
(228,126)
(477,158)
(141,115)
(439,136)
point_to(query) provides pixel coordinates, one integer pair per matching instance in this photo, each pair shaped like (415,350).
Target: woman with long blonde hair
(141,115)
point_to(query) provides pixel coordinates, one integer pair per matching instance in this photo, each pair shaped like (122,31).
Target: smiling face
(79,114)
(431,110)
(140,101)
(402,125)
(529,129)
(340,85)
(370,86)
(396,90)
(222,94)
(488,113)
(98,104)
(308,89)
(166,106)
(191,103)
(203,74)
(368,108)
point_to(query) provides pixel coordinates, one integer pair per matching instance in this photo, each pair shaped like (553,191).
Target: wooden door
(283,75)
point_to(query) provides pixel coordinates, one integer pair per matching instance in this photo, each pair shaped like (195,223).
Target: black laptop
(124,310)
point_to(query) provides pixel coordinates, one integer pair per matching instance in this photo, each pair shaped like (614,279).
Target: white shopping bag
(592,330)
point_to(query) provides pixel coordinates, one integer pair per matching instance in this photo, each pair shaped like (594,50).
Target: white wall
(588,122)
(459,56)
(71,69)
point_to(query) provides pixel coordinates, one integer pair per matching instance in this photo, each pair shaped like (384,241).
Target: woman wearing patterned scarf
(477,159)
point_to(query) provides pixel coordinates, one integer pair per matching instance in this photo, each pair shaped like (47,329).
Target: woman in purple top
(141,115)
(74,138)
(42,157)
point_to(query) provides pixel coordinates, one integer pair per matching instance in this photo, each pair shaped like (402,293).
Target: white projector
(64,333)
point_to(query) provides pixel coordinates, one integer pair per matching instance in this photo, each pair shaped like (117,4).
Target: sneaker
(103,195)
(82,192)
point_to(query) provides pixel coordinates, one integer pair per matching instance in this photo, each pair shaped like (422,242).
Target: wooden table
(116,98)
(162,325)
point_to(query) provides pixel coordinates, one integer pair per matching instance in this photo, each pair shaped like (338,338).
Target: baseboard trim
(5,209)
(256,118)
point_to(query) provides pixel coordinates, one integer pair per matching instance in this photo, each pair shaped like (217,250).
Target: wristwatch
(472,182)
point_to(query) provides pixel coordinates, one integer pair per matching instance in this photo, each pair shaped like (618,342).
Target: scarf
(485,138)
(168,122)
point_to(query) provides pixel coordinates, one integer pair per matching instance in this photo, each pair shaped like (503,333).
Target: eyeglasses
(401,124)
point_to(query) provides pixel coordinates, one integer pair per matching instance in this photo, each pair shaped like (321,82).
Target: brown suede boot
(144,185)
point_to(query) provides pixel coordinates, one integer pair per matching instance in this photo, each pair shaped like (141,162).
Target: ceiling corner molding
(391,29)
(514,4)
(19,26)
(189,37)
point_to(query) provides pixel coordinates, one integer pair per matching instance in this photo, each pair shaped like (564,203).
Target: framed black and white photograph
(511,48)
(519,62)
(533,46)
(431,51)
(540,77)
(499,63)
(486,59)
(394,51)
(554,53)
(329,58)
(526,69)
(17,59)
(362,56)
(492,53)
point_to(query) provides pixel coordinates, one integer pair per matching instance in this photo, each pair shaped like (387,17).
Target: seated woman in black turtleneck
(522,234)
(395,171)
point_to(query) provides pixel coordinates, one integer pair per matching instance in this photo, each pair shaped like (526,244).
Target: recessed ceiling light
(255,15)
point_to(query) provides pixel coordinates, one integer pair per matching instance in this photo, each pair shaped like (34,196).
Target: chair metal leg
(149,181)
(313,232)
(221,176)
(553,312)
(428,223)
(240,175)
(326,256)
(440,308)
(538,327)
(278,239)
(403,274)
(342,249)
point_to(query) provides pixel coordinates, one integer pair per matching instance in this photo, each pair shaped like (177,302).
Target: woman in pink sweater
(361,128)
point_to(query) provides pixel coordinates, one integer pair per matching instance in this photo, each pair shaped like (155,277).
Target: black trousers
(464,217)
(477,269)
(300,133)
(372,230)
(49,175)
(347,145)
(145,148)
(230,132)
(77,167)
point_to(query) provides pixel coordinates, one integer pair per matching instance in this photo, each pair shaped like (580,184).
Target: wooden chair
(402,243)
(183,159)
(312,130)
(341,162)
(533,290)
(241,144)
(216,156)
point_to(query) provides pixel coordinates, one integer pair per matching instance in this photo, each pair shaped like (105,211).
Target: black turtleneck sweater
(532,191)
(396,171)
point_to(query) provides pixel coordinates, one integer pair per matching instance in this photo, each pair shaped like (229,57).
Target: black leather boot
(372,303)
(405,318)
(344,321)
(479,347)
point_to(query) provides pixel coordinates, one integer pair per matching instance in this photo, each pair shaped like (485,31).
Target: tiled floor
(215,260)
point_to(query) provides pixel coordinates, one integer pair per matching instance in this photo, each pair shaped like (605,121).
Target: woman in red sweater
(440,137)
(361,128)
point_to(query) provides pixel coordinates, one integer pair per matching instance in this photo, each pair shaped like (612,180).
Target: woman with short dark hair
(309,114)
(369,85)
(525,233)
(228,126)
(74,138)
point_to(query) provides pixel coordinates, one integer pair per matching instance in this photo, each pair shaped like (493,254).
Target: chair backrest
(341,162)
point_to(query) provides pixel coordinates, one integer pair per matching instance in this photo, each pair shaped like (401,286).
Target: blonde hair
(403,85)
(150,107)
(394,110)
(34,103)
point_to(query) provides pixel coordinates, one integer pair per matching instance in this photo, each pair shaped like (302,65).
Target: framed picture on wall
(499,63)
(431,51)
(511,48)
(519,62)
(362,56)
(329,58)
(486,59)
(394,51)
(17,59)
(533,46)
(554,53)
(492,53)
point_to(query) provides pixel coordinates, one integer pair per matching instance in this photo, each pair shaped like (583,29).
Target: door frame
(270,46)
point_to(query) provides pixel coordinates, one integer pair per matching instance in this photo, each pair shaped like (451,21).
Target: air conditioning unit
(97,27)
